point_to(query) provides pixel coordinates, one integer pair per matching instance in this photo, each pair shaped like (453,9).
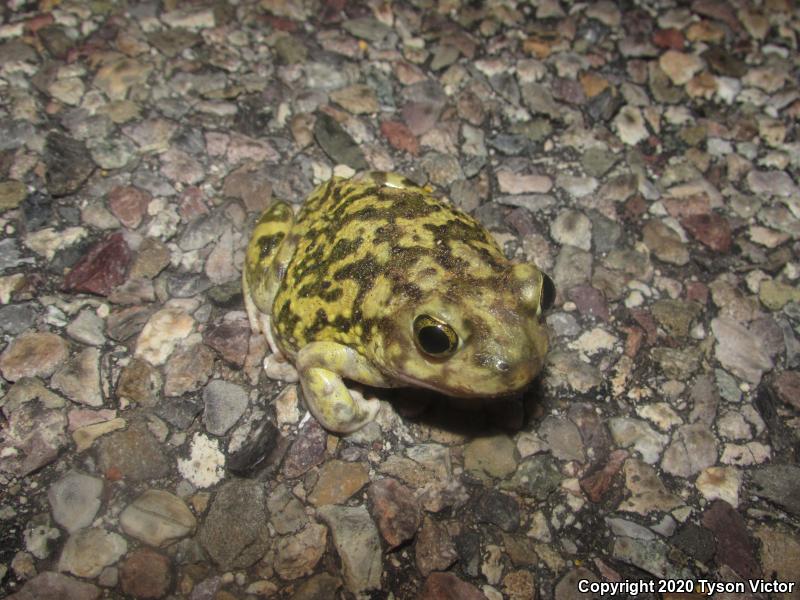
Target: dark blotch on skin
(268,243)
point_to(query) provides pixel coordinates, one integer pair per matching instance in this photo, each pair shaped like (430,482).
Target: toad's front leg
(321,366)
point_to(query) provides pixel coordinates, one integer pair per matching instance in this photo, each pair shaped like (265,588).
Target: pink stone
(400,136)
(129,205)
(102,268)
(712,230)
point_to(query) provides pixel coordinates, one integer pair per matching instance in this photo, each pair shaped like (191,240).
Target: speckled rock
(133,454)
(146,574)
(235,532)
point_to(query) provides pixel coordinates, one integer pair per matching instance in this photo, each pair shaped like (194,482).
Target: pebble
(573,228)
(161,334)
(78,378)
(87,328)
(33,438)
(648,555)
(338,481)
(33,354)
(630,125)
(665,243)
(739,351)
(638,435)
(139,383)
(447,586)
(536,477)
(287,513)
(512,183)
(647,492)
(567,369)
(395,510)
(129,205)
(771,183)
(307,451)
(230,339)
(187,370)
(12,193)
(318,587)
(116,78)
(778,484)
(680,67)
(205,465)
(337,143)
(57,585)
(157,518)
(711,230)
(68,164)
(400,137)
(357,544)
(75,500)
(298,554)
(434,548)
(780,551)
(720,483)
(225,404)
(563,439)
(734,546)
(84,437)
(235,533)
(692,449)
(133,454)
(787,387)
(88,551)
(498,509)
(490,456)
(146,574)
(358,99)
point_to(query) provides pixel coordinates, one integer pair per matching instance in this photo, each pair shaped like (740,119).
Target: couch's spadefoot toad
(378,282)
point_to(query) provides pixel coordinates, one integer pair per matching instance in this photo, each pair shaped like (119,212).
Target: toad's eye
(434,337)
(548,294)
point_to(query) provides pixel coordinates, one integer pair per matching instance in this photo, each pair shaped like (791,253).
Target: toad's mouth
(442,387)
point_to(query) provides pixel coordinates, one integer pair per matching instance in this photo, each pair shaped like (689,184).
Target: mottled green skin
(365,256)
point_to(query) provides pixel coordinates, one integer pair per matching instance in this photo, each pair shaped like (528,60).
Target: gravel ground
(644,153)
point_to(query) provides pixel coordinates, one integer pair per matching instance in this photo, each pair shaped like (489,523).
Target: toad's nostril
(502,366)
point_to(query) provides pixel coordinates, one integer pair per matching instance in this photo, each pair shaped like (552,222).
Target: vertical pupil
(433,340)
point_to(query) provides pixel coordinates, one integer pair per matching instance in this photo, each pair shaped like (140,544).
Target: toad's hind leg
(268,253)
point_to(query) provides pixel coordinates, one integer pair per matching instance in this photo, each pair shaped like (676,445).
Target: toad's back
(367,245)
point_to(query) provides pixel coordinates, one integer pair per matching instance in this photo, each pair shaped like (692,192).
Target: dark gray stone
(235,533)
(779,484)
(68,164)
(498,509)
(337,143)
(16,318)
